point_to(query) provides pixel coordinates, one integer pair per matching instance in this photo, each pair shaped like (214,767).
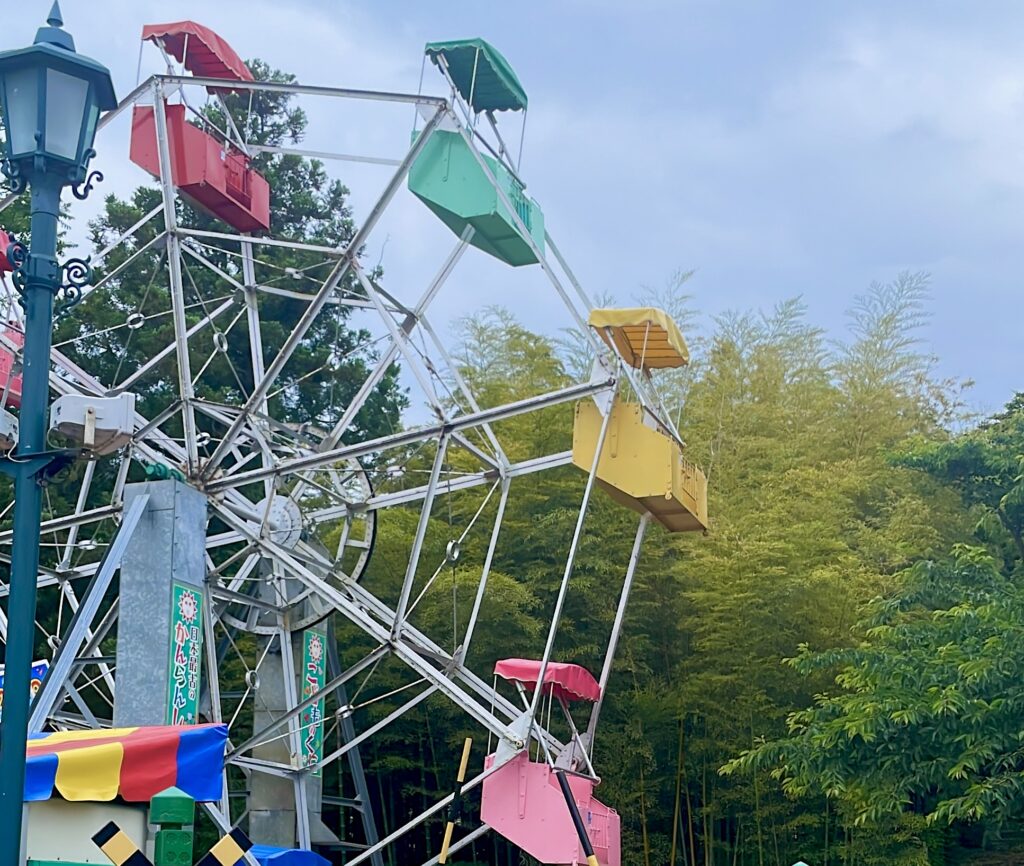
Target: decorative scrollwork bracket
(75,275)
(72,276)
(81,190)
(17,255)
(16,180)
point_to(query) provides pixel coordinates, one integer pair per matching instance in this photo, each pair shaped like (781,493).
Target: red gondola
(13,333)
(214,174)
(8,362)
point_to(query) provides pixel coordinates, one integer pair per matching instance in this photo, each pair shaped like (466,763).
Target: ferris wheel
(289,513)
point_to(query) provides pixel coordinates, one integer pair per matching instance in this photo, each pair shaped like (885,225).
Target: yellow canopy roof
(645,337)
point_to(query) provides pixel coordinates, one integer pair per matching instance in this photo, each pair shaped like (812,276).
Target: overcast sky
(779,148)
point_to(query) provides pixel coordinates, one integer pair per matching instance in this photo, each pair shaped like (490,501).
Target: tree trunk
(689,820)
(826,831)
(643,820)
(706,813)
(757,802)
(678,802)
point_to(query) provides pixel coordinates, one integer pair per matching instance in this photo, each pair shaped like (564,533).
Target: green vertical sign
(314,657)
(186,654)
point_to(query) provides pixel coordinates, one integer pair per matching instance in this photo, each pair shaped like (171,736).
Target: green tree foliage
(925,722)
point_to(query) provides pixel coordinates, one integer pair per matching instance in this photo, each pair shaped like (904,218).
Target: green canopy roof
(496,87)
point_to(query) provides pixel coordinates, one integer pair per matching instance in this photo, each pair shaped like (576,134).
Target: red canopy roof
(203,53)
(564,680)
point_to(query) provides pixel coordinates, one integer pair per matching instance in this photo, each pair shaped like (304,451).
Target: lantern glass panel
(65,111)
(90,126)
(21,99)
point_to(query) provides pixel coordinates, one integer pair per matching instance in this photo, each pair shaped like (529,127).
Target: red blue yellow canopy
(131,763)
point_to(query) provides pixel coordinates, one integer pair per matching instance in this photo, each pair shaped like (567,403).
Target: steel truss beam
(58,676)
(409,437)
(398,644)
(349,254)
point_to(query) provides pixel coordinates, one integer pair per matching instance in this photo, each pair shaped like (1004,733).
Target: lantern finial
(53,34)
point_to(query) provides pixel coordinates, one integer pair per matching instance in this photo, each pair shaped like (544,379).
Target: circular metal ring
(453,551)
(220,342)
(135,321)
(252,680)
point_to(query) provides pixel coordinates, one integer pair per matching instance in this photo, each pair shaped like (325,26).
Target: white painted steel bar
(60,669)
(107,277)
(310,90)
(525,234)
(396,713)
(359,616)
(401,339)
(176,287)
(323,154)
(409,437)
(169,349)
(262,387)
(213,682)
(463,386)
(417,544)
(97,258)
(391,353)
(447,486)
(459,844)
(83,497)
(423,816)
(264,734)
(291,695)
(613,640)
(570,562)
(485,571)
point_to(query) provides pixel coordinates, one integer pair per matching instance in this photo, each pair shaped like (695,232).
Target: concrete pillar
(272,798)
(159,626)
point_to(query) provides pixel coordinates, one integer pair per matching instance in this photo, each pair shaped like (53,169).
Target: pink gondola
(522,801)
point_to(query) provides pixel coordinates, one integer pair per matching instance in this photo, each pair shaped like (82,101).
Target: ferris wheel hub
(284,519)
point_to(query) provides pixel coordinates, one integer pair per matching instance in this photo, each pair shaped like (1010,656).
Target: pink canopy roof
(199,49)
(564,680)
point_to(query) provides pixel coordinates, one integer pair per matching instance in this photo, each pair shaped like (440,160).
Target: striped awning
(130,763)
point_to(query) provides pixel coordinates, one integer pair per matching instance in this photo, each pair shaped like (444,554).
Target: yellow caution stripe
(119,848)
(455,810)
(228,851)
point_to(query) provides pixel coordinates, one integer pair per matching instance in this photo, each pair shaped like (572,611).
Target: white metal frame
(251,453)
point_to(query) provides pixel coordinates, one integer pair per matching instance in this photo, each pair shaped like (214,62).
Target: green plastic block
(173,848)
(161,472)
(172,806)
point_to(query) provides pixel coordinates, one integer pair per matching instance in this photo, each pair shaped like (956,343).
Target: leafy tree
(926,718)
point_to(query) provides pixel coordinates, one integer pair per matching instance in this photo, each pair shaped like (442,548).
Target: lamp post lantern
(52,98)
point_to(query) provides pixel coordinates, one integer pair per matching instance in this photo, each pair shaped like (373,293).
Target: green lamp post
(52,98)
